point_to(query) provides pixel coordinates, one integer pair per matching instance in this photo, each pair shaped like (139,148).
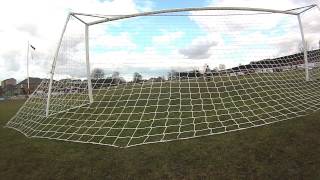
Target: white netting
(177,76)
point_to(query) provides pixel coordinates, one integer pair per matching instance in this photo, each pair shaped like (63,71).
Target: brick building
(9,87)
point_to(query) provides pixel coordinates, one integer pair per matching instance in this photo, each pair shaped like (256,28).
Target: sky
(151,46)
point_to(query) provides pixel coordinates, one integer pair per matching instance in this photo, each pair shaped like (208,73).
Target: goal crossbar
(289,12)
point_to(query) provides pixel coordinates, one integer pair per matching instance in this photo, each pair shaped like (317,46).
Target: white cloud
(12,60)
(40,22)
(223,42)
(104,40)
(255,37)
(167,37)
(199,48)
(272,4)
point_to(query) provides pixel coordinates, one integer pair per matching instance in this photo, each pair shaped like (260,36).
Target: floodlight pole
(88,63)
(54,65)
(305,52)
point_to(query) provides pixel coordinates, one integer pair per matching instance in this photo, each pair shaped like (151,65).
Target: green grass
(285,150)
(129,115)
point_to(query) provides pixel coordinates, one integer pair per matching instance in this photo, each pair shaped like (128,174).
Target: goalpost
(80,103)
(155,13)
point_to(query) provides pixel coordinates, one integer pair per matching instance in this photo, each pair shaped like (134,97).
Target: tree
(115,75)
(301,47)
(207,72)
(207,69)
(173,74)
(97,73)
(215,69)
(222,67)
(137,77)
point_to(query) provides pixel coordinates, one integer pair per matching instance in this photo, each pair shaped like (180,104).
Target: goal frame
(104,18)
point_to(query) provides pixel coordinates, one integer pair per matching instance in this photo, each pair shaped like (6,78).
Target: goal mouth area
(129,80)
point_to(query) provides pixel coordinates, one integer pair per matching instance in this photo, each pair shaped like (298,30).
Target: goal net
(127,80)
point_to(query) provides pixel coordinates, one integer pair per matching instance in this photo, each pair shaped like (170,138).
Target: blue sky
(143,30)
(167,4)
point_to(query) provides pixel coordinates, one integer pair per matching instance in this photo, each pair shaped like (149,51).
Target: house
(22,87)
(184,75)
(156,79)
(8,82)
(9,87)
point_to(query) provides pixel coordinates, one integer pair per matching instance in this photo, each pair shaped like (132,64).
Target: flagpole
(28,69)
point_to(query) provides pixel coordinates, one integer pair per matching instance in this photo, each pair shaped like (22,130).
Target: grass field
(285,150)
(134,114)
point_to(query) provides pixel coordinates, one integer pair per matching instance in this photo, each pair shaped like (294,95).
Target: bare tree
(215,69)
(173,74)
(137,77)
(222,67)
(97,73)
(207,69)
(207,72)
(115,75)
(301,47)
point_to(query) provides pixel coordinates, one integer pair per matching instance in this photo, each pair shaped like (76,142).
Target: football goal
(128,80)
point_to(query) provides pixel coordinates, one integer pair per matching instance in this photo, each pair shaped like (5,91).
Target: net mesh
(176,76)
